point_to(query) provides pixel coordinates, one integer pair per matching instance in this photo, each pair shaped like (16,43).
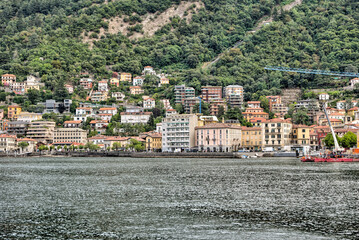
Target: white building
(343,104)
(118,95)
(108,110)
(148,70)
(353,82)
(82,113)
(138,81)
(135,117)
(28,116)
(178,132)
(324,96)
(103,86)
(149,103)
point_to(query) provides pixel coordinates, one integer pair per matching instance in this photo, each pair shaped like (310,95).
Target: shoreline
(152,154)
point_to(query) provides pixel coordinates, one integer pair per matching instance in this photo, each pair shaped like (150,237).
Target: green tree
(329,140)
(349,140)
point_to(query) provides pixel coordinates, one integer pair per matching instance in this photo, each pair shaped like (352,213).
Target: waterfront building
(98,139)
(70,135)
(182,92)
(135,117)
(218,137)
(13,112)
(41,131)
(276,133)
(178,132)
(301,135)
(252,138)
(154,142)
(210,93)
(30,148)
(7,143)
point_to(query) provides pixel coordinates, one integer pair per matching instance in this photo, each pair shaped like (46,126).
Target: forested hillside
(315,35)
(44,37)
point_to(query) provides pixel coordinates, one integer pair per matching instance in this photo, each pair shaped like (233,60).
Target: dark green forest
(43,37)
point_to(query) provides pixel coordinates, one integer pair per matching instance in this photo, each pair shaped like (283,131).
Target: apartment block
(178,132)
(7,143)
(189,104)
(41,131)
(216,104)
(18,128)
(251,138)
(210,93)
(70,135)
(276,133)
(182,92)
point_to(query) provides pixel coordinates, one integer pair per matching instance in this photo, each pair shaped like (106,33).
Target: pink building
(218,137)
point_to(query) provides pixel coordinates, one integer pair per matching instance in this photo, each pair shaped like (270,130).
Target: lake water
(126,198)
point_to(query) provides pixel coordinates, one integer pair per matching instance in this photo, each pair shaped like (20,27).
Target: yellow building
(154,142)
(251,138)
(13,112)
(115,82)
(301,134)
(126,77)
(29,116)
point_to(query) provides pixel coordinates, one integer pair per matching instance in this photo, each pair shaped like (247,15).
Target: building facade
(178,132)
(252,138)
(218,137)
(41,131)
(70,135)
(210,93)
(276,133)
(182,92)
(135,117)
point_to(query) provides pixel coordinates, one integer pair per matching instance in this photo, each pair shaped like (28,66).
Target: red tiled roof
(110,108)
(77,121)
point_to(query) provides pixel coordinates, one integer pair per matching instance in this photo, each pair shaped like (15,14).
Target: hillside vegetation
(44,37)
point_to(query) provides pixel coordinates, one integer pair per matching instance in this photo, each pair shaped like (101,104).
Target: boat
(337,155)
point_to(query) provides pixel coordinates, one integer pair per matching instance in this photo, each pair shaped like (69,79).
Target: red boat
(329,159)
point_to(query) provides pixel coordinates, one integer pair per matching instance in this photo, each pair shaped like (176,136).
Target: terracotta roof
(253,102)
(8,75)
(155,135)
(336,114)
(26,140)
(99,121)
(104,114)
(354,109)
(103,81)
(332,120)
(148,67)
(14,106)
(77,121)
(138,77)
(150,99)
(251,113)
(97,137)
(84,108)
(257,119)
(133,87)
(123,73)
(7,136)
